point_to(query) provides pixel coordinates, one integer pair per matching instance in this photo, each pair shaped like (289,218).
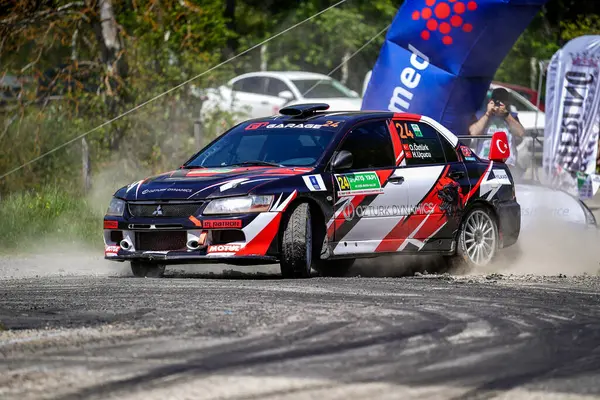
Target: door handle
(264,103)
(456,175)
(396,180)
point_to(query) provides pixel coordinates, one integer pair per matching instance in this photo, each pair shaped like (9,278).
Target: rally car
(311,189)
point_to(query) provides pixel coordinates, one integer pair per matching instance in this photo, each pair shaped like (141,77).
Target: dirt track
(106,335)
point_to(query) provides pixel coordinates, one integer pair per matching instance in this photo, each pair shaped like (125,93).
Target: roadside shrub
(50,216)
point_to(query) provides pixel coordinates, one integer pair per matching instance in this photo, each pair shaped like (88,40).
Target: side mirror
(499,148)
(286,95)
(342,160)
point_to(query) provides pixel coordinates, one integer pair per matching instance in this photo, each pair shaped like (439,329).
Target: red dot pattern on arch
(445,16)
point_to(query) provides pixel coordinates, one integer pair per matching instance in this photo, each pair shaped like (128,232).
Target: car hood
(190,184)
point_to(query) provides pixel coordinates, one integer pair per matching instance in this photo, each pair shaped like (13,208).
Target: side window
(420,142)
(449,151)
(370,145)
(238,85)
(276,86)
(253,84)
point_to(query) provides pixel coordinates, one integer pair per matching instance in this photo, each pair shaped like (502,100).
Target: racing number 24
(404,131)
(343,182)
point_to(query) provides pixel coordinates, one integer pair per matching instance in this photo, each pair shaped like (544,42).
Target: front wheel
(477,239)
(147,270)
(296,243)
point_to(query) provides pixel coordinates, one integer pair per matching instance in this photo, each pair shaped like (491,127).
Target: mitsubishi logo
(158,212)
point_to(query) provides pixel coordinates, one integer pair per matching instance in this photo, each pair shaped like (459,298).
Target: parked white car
(261,94)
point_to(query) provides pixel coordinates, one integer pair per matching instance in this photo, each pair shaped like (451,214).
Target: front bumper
(243,239)
(183,257)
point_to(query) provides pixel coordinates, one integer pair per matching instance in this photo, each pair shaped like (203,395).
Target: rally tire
(296,243)
(334,268)
(478,240)
(142,269)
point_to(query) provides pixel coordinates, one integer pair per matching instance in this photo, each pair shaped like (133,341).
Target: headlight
(239,205)
(116,207)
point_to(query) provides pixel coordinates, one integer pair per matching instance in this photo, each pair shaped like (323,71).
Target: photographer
(498,118)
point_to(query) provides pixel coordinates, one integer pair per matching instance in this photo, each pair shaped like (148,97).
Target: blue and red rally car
(312,189)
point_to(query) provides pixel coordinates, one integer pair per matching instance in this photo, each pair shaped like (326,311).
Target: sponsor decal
(224,248)
(470,159)
(111,224)
(410,79)
(147,191)
(222,223)
(466,151)
(545,211)
(358,183)
(332,124)
(285,126)
(500,174)
(111,251)
(444,17)
(417,130)
(419,151)
(314,183)
(256,125)
(350,211)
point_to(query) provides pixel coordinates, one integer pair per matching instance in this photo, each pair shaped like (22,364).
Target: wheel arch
(479,203)
(317,212)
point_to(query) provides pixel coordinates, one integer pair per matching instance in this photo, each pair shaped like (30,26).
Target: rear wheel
(296,243)
(334,268)
(142,269)
(477,239)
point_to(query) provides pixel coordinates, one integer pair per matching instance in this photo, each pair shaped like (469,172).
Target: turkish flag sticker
(499,149)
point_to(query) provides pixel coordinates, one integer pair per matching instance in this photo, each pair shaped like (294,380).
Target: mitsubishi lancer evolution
(312,189)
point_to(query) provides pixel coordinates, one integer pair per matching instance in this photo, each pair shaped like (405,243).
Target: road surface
(112,336)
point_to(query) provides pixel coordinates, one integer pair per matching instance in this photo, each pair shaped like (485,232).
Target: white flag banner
(573,115)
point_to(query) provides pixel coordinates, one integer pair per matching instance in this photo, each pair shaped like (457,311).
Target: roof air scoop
(303,110)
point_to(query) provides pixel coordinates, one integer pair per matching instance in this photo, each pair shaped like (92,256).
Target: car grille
(161,241)
(159,210)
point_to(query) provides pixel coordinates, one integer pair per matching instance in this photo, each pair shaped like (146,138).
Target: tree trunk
(111,47)
(229,14)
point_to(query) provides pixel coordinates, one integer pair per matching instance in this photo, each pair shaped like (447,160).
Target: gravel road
(107,335)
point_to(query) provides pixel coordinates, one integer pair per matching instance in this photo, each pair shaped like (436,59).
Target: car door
(439,186)
(371,197)
(250,97)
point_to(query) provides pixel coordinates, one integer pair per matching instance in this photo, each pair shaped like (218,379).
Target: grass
(48,215)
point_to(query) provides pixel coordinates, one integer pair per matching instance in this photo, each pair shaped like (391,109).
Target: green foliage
(588,24)
(48,215)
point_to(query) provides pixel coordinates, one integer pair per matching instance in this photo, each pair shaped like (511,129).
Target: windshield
(326,88)
(263,143)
